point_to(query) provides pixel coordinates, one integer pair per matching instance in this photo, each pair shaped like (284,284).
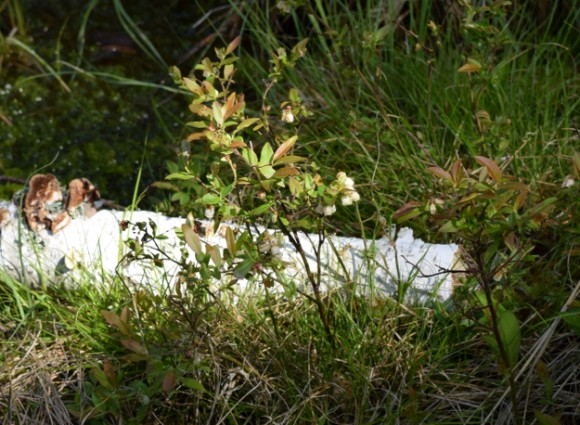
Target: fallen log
(93,245)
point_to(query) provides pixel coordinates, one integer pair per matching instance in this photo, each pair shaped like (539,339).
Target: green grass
(383,112)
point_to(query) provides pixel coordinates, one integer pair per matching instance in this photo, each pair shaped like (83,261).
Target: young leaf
(193,86)
(299,50)
(233,45)
(492,168)
(228,71)
(218,115)
(285,147)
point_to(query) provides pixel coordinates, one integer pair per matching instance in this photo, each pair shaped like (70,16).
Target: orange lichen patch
(59,222)
(43,191)
(82,193)
(4,216)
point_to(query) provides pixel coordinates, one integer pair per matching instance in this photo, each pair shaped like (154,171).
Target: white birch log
(93,247)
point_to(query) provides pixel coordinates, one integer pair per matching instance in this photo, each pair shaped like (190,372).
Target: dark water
(100,126)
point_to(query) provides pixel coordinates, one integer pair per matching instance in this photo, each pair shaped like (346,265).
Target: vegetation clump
(456,118)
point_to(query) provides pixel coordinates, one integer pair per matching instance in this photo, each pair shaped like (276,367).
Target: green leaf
(192,384)
(572,319)
(288,159)
(250,156)
(448,227)
(544,419)
(101,377)
(266,154)
(210,199)
(509,329)
(267,171)
(217,113)
(180,176)
(261,209)
(197,124)
(242,270)
(231,240)
(543,207)
(246,123)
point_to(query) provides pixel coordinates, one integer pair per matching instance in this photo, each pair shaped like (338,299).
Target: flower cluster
(325,210)
(343,186)
(272,243)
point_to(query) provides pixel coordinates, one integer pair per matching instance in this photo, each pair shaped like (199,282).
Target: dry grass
(389,366)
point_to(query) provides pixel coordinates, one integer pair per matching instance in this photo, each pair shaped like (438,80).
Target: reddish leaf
(109,371)
(111,318)
(440,172)
(492,168)
(125,314)
(168,382)
(214,254)
(576,162)
(132,345)
(457,171)
(233,45)
(286,171)
(406,209)
(284,148)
